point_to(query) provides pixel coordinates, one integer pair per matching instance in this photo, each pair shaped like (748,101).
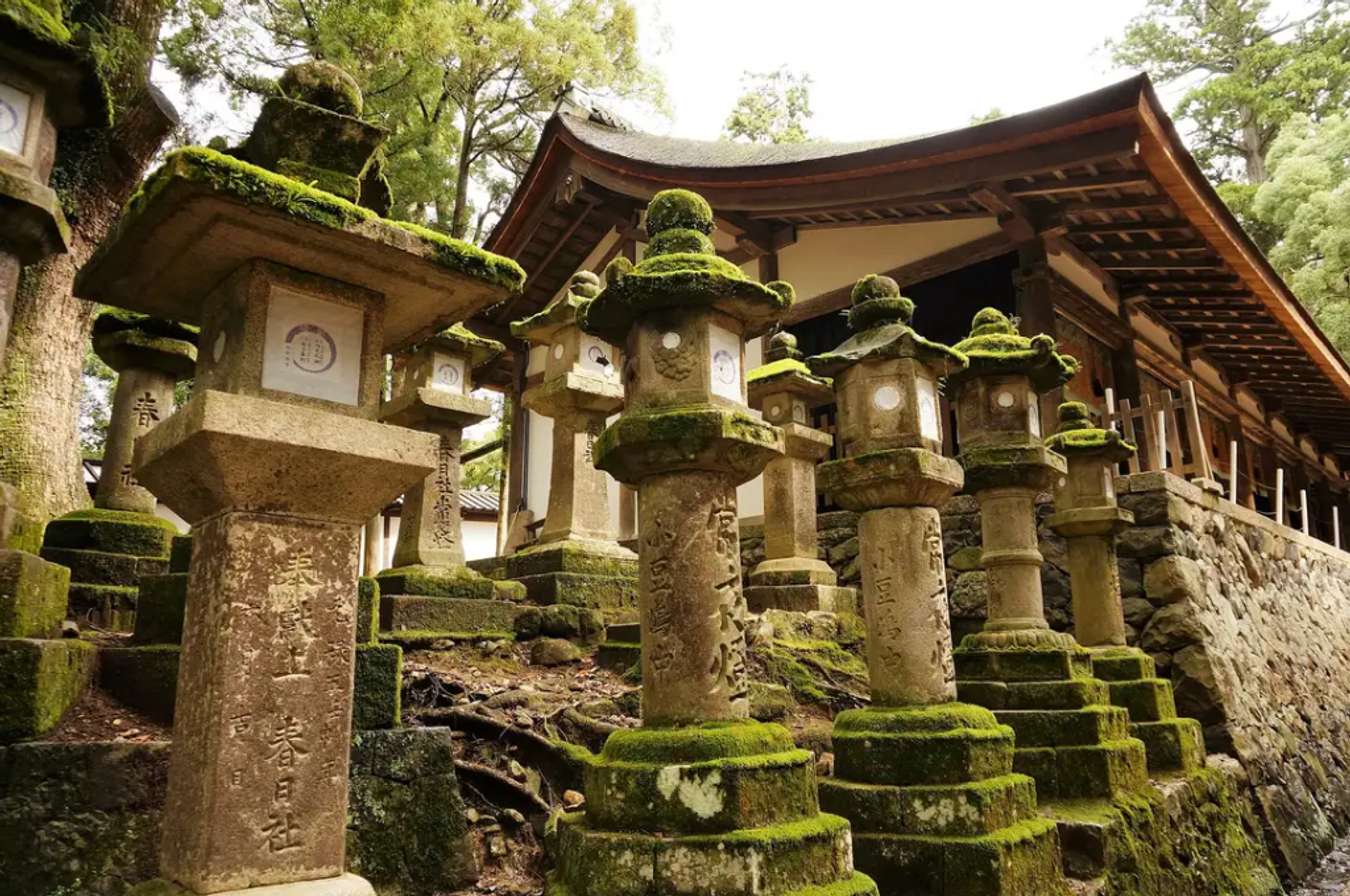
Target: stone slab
(105,568)
(161,602)
(39,681)
(802,598)
(115,531)
(581,590)
(436,581)
(32,596)
(378,686)
(144,678)
(342,885)
(109,607)
(405,613)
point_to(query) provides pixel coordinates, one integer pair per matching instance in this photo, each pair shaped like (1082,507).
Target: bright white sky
(880,68)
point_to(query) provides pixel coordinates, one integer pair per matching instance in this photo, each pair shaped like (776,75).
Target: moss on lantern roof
(322,84)
(880,319)
(115,320)
(995,347)
(1077,435)
(41,19)
(36,29)
(562,311)
(258,186)
(459,338)
(680,270)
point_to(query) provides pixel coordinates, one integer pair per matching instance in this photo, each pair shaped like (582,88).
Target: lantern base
(802,598)
(1173,744)
(725,807)
(1069,738)
(898,772)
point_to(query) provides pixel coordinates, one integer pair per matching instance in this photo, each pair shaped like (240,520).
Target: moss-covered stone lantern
(700,799)
(109,548)
(46,84)
(1036,680)
(914,746)
(429,591)
(277,461)
(792,576)
(1087,515)
(577,560)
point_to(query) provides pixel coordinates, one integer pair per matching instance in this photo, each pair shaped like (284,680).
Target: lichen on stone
(879,320)
(1077,435)
(322,84)
(995,347)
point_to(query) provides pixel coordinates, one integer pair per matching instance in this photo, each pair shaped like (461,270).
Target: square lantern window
(16,109)
(678,358)
(930,409)
(448,372)
(312,347)
(725,358)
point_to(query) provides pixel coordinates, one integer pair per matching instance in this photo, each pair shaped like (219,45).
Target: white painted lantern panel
(724,347)
(447,373)
(597,357)
(1033,415)
(15,106)
(312,347)
(930,422)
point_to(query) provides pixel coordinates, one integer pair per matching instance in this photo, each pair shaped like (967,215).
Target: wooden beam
(1166,264)
(1196,294)
(1114,181)
(1205,278)
(1102,206)
(944,262)
(1126,227)
(1061,246)
(1011,215)
(1156,246)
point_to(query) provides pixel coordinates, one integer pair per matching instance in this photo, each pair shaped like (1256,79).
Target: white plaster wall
(480,539)
(750,495)
(1076,274)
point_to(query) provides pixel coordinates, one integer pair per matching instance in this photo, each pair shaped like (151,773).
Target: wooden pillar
(518,440)
(1034,304)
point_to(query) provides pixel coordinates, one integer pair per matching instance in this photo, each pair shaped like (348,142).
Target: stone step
(998,695)
(1173,745)
(143,677)
(42,679)
(582,590)
(801,598)
(114,531)
(1017,860)
(922,757)
(160,603)
(1089,835)
(1102,770)
(406,615)
(1118,664)
(427,581)
(618,656)
(1146,700)
(32,596)
(628,632)
(110,607)
(1026,664)
(103,567)
(777,859)
(1062,728)
(985,806)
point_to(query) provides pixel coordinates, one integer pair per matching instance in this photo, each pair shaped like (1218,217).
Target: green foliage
(463,87)
(1249,69)
(994,114)
(773,108)
(1307,201)
(95,403)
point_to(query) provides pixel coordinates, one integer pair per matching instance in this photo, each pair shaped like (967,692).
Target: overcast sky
(880,68)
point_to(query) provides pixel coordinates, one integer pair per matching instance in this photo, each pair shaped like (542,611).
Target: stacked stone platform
(108,552)
(1173,744)
(727,808)
(596,575)
(622,649)
(419,603)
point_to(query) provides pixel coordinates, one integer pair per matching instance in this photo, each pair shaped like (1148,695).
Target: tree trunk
(96,171)
(459,221)
(1254,151)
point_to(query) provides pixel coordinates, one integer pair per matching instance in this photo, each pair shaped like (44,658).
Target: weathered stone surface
(378,685)
(1171,628)
(39,681)
(406,830)
(554,652)
(144,678)
(32,596)
(1173,578)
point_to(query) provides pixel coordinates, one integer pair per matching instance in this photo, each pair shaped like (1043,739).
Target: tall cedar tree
(96,171)
(463,86)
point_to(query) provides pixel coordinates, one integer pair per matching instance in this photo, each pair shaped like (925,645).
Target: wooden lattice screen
(1166,429)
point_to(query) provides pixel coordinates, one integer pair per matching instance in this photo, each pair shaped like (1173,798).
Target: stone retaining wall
(1249,620)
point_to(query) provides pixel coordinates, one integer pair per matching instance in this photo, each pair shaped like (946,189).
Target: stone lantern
(577,560)
(109,548)
(46,84)
(1088,517)
(898,752)
(1036,680)
(792,576)
(429,589)
(669,806)
(277,461)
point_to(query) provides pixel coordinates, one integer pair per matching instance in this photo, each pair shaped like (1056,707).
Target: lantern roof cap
(995,347)
(561,312)
(1076,435)
(461,340)
(34,36)
(681,269)
(880,319)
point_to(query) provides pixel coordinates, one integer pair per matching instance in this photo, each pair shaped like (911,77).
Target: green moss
(144,678)
(686,437)
(116,320)
(39,681)
(994,347)
(435,581)
(42,20)
(32,596)
(367,610)
(562,311)
(681,241)
(378,684)
(785,367)
(114,531)
(813,671)
(679,210)
(912,719)
(697,743)
(459,338)
(256,185)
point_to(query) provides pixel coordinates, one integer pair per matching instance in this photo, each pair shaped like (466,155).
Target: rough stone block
(39,681)
(1071,694)
(1105,770)
(914,757)
(111,607)
(582,590)
(1148,542)
(969,809)
(112,531)
(618,656)
(572,558)
(1147,700)
(1172,579)
(1039,664)
(160,603)
(105,568)
(802,598)
(378,686)
(367,610)
(1022,860)
(427,581)
(32,596)
(1122,665)
(406,831)
(1173,745)
(180,553)
(401,614)
(1057,728)
(1173,627)
(144,678)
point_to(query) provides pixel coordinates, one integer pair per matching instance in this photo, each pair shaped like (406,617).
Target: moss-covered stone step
(113,531)
(1173,745)
(1146,699)
(954,810)
(628,632)
(1106,769)
(769,861)
(428,581)
(1019,860)
(105,568)
(946,744)
(144,677)
(609,593)
(39,680)
(160,603)
(1022,664)
(1071,694)
(801,598)
(367,610)
(858,884)
(409,613)
(180,553)
(701,797)
(32,595)
(582,558)
(618,656)
(376,696)
(110,607)
(1122,664)
(1063,728)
